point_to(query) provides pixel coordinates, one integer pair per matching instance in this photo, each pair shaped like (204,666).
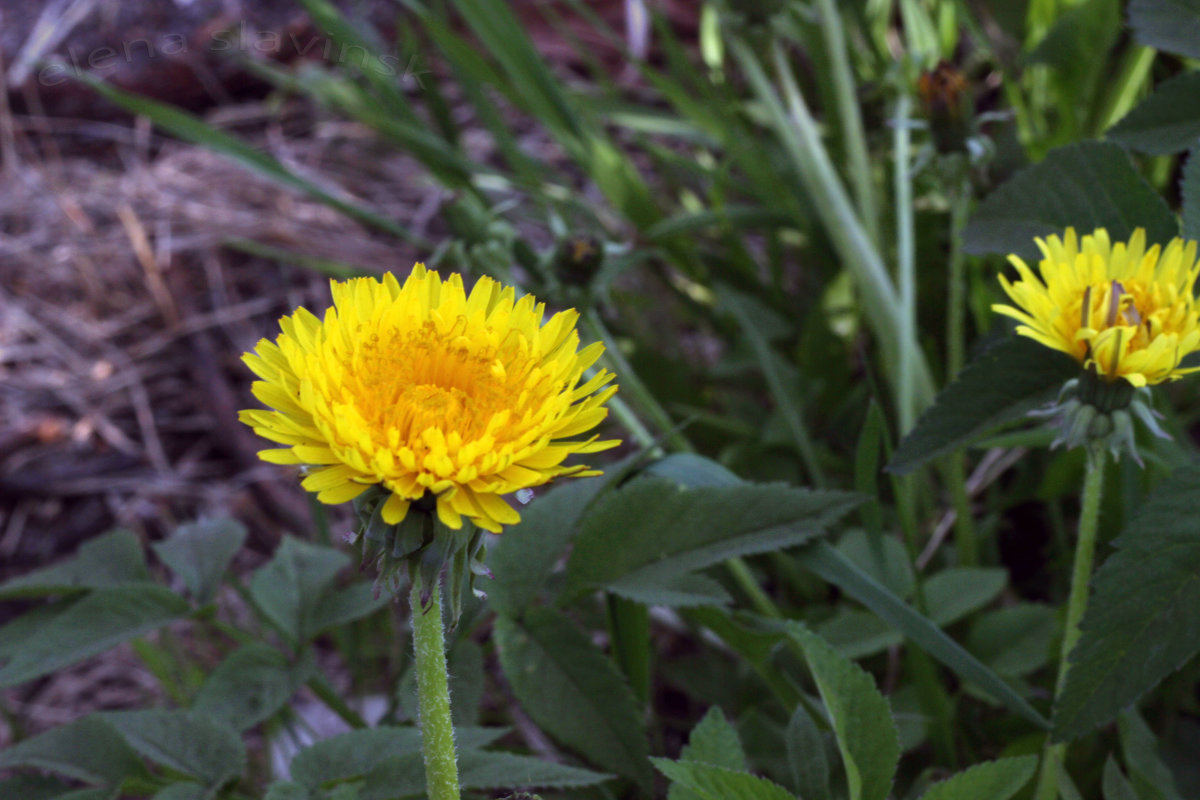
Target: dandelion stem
(433,695)
(1085,550)
(956,307)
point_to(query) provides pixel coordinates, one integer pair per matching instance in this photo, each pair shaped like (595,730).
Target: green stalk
(906,271)
(433,695)
(848,111)
(801,138)
(1085,550)
(956,309)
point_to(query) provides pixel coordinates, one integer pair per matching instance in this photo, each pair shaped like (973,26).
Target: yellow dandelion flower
(422,387)
(1121,310)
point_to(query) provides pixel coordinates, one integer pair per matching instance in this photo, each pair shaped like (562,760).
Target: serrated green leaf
(718,783)
(862,720)
(289,588)
(465,663)
(1190,189)
(110,560)
(573,691)
(1015,640)
(102,619)
(806,756)
(713,741)
(1139,624)
(1167,121)
(830,565)
(483,769)
(199,553)
(1003,385)
(1114,783)
(651,531)
(1171,25)
(991,780)
(88,749)
(679,591)
(185,741)
(1086,185)
(355,754)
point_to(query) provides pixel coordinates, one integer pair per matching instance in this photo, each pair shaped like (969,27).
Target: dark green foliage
(1086,186)
(1139,626)
(1167,121)
(1171,25)
(1012,378)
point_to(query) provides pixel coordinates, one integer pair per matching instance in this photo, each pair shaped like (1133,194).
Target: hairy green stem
(433,695)
(1085,551)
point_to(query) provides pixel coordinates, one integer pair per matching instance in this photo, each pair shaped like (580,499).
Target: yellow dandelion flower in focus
(1121,310)
(422,387)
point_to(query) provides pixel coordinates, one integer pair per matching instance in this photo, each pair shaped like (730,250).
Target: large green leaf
(1010,379)
(653,531)
(1167,121)
(1140,622)
(109,560)
(991,780)
(710,782)
(573,691)
(88,749)
(250,685)
(289,589)
(184,741)
(523,558)
(1171,25)
(833,567)
(1190,189)
(199,553)
(1087,185)
(861,718)
(102,619)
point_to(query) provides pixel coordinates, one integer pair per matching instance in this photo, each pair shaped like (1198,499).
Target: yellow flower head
(1119,309)
(425,388)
